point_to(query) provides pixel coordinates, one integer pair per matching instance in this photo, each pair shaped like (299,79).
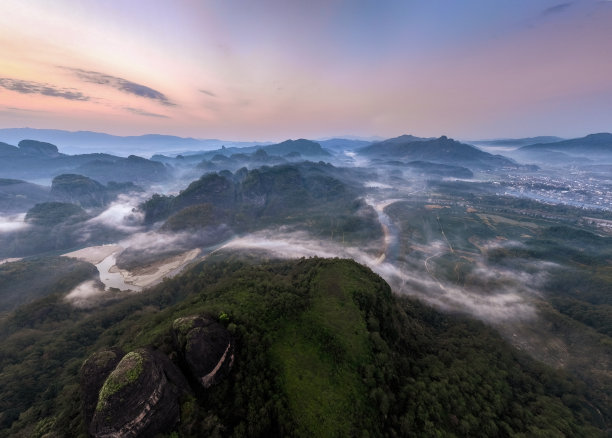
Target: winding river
(390,250)
(113,279)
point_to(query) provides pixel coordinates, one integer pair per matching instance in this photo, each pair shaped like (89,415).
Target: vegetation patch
(320,355)
(127,371)
(102,358)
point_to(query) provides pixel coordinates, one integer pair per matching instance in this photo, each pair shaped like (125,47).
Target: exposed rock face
(93,373)
(206,347)
(139,394)
(140,397)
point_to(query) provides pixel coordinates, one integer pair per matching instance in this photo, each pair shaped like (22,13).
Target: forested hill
(437,150)
(315,347)
(267,191)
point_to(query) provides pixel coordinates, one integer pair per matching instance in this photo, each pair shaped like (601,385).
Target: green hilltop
(322,348)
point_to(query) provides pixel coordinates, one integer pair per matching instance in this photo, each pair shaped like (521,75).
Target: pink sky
(272,69)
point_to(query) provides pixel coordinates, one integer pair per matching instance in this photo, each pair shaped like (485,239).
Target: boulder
(206,348)
(140,397)
(92,375)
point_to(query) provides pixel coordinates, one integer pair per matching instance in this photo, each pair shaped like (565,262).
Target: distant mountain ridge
(34,159)
(88,141)
(590,144)
(442,150)
(303,147)
(518,142)
(342,144)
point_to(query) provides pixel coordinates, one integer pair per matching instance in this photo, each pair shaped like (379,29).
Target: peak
(407,137)
(136,158)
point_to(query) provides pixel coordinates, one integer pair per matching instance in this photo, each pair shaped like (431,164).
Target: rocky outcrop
(40,148)
(93,373)
(206,348)
(140,397)
(139,394)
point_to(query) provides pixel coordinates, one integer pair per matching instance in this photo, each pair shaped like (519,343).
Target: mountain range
(33,159)
(87,141)
(442,150)
(517,142)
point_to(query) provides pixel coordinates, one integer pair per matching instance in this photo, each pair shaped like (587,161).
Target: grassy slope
(320,354)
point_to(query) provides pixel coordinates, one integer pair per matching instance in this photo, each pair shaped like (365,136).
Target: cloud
(508,300)
(13,108)
(153,242)
(208,93)
(144,113)
(122,214)
(31,87)
(376,185)
(121,84)
(86,294)
(9,224)
(553,10)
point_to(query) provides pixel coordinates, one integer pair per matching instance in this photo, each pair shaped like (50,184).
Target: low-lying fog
(509,302)
(412,275)
(407,275)
(12,223)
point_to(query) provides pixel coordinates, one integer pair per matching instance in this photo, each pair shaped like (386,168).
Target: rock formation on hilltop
(140,397)
(140,393)
(94,372)
(206,348)
(41,148)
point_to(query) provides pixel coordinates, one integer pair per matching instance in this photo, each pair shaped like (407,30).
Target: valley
(518,256)
(270,219)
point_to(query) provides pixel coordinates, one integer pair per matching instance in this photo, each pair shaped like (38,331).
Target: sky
(276,69)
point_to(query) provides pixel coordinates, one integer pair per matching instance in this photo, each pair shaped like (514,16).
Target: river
(113,279)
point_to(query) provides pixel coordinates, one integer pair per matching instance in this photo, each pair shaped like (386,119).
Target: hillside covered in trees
(321,347)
